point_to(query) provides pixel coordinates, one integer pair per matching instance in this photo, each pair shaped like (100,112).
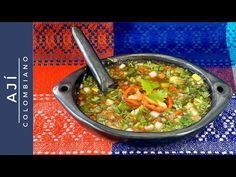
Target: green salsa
(149,97)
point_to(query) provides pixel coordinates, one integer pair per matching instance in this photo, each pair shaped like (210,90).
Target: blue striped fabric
(204,44)
(201,43)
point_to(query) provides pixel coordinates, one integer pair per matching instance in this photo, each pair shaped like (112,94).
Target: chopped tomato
(132,90)
(151,105)
(143,69)
(178,113)
(172,88)
(145,97)
(166,68)
(161,76)
(170,101)
(124,87)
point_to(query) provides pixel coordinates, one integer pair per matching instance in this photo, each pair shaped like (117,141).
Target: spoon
(99,72)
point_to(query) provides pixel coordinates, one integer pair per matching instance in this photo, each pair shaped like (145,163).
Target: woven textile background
(209,45)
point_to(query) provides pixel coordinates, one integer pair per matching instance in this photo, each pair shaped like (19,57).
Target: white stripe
(18,90)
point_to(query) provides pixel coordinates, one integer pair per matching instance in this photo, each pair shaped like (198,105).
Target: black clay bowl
(221,94)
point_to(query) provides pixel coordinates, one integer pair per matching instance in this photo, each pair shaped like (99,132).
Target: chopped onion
(163,119)
(162,104)
(149,127)
(86,89)
(134,112)
(194,111)
(109,108)
(122,66)
(158,125)
(133,97)
(153,74)
(154,114)
(109,102)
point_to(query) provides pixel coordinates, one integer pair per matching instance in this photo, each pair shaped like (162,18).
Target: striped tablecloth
(208,45)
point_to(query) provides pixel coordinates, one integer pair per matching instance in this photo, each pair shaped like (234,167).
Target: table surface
(208,45)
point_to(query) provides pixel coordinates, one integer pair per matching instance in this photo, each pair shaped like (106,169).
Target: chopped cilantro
(205,94)
(186,121)
(148,85)
(110,59)
(115,108)
(96,98)
(123,106)
(159,95)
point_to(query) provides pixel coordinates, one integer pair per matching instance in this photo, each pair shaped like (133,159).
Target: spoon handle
(102,77)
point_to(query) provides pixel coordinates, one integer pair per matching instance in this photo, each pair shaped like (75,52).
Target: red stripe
(54,41)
